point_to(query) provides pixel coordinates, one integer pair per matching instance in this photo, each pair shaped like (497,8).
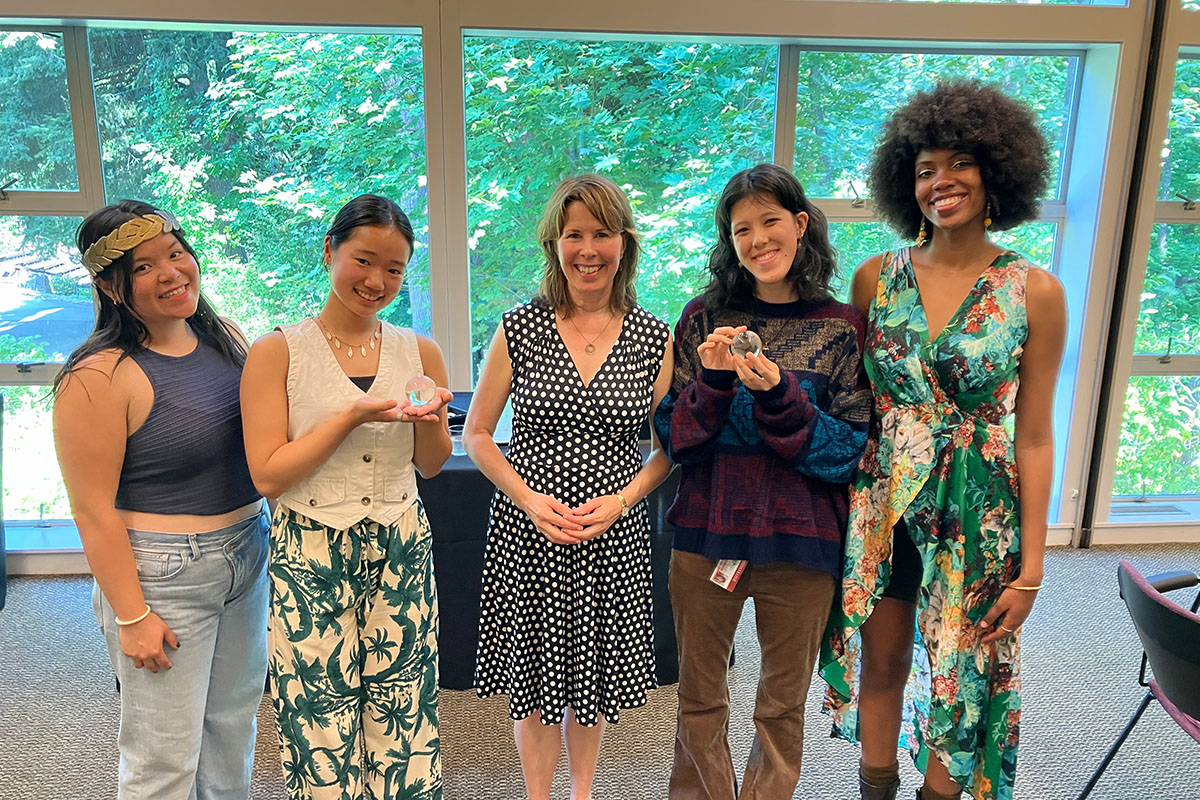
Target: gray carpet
(58,718)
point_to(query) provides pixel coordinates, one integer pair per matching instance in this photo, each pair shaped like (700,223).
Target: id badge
(727,572)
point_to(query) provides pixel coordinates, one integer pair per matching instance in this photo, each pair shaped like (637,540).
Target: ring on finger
(1006,630)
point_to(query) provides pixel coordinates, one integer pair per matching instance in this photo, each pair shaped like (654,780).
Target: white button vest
(370,476)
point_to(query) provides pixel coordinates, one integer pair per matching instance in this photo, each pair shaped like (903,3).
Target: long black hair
(731,286)
(117,328)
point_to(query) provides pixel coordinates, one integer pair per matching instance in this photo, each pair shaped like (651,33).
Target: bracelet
(135,620)
(624,505)
(1024,588)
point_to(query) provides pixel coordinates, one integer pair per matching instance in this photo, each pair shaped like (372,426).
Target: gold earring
(987,215)
(921,235)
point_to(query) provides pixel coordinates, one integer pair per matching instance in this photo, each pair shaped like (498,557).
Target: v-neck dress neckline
(928,339)
(587,385)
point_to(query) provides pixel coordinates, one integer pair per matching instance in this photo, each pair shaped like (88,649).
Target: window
(670,122)
(38,146)
(844,97)
(254,140)
(45,293)
(1159,450)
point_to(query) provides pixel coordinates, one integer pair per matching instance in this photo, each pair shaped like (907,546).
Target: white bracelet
(135,620)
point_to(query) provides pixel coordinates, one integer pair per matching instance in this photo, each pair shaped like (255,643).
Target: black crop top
(188,457)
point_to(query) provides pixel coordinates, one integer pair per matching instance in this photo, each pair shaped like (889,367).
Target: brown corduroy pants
(791,607)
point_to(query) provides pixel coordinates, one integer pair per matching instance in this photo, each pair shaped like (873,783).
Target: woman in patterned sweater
(767,442)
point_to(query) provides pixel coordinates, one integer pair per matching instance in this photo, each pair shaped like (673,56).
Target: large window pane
(1170,312)
(1159,453)
(254,140)
(38,145)
(670,122)
(1181,150)
(45,293)
(845,97)
(33,488)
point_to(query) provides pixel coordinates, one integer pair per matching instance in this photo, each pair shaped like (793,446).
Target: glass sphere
(421,390)
(746,342)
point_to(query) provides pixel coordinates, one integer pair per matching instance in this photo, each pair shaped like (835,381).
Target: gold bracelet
(624,505)
(1024,588)
(135,620)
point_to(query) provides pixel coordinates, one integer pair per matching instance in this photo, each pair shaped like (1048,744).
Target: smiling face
(164,282)
(766,237)
(949,188)
(588,253)
(367,269)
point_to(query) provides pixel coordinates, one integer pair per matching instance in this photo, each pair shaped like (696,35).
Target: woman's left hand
(597,515)
(427,412)
(1008,614)
(756,372)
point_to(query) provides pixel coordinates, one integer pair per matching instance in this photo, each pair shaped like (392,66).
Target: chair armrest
(1169,581)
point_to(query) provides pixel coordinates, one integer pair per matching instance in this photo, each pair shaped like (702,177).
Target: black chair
(1171,640)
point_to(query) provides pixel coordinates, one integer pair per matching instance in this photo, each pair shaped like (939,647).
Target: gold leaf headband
(130,234)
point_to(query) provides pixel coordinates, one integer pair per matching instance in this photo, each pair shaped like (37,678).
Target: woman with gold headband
(148,428)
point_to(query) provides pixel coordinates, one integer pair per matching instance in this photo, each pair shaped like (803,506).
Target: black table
(457,503)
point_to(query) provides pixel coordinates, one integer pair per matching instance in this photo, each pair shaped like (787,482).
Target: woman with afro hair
(947,513)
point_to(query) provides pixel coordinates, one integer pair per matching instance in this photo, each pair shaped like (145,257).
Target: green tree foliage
(254,140)
(840,97)
(38,147)
(670,123)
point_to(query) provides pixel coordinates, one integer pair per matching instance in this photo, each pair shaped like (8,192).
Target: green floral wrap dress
(940,456)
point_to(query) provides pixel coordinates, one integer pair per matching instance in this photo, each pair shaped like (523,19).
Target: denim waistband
(198,542)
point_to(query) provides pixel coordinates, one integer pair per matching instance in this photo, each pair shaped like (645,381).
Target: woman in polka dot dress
(565,627)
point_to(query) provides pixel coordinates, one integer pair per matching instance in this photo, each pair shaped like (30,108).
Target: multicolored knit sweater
(765,473)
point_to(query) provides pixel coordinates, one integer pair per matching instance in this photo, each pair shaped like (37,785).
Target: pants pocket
(157,564)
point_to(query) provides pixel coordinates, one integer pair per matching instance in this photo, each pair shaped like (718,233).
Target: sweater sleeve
(823,444)
(689,420)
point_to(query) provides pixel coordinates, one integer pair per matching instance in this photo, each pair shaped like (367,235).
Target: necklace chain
(590,347)
(337,343)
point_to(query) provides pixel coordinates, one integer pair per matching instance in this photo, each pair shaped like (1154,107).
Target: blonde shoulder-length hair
(609,205)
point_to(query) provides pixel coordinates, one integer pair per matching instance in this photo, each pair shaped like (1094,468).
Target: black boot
(869,792)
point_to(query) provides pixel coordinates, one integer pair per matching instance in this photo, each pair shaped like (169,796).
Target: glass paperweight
(421,390)
(745,343)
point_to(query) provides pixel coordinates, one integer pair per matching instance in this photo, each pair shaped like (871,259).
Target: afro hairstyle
(971,117)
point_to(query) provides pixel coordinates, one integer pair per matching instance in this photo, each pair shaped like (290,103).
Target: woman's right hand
(143,643)
(553,519)
(370,409)
(714,352)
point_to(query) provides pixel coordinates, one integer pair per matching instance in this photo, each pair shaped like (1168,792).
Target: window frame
(1089,215)
(1182,40)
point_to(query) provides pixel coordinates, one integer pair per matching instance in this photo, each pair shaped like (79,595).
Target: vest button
(366,501)
(312,501)
(367,458)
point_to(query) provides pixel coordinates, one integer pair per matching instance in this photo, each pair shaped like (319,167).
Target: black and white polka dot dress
(569,625)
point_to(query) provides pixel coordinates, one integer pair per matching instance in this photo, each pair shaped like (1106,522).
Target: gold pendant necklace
(590,347)
(362,348)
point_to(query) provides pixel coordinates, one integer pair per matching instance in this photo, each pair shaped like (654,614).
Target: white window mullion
(83,119)
(786,97)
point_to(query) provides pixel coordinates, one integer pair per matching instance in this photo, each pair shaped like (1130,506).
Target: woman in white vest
(332,433)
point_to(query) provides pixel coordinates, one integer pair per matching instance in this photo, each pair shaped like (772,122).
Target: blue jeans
(187,733)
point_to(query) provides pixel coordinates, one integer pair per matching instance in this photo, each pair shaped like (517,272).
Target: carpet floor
(58,706)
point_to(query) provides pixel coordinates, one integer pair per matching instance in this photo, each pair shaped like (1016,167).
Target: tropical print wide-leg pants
(353,640)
